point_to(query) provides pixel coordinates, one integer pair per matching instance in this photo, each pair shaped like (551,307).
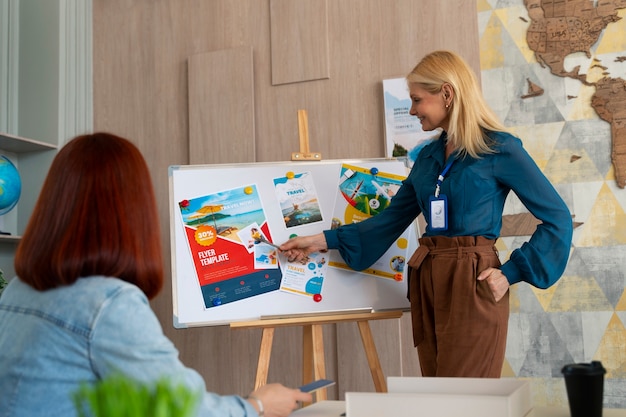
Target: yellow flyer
(364,193)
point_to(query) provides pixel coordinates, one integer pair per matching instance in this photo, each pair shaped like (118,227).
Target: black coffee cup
(585,388)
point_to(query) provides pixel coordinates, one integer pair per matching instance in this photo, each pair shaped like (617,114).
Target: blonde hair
(470,115)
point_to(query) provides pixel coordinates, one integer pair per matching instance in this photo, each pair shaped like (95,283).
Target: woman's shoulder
(504,141)
(93,287)
(100,291)
(99,288)
(74,305)
(427,148)
(501,136)
(105,284)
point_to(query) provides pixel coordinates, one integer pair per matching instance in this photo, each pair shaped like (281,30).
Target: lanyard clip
(442,176)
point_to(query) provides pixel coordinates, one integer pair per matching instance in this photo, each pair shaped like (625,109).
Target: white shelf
(12,143)
(18,148)
(10,239)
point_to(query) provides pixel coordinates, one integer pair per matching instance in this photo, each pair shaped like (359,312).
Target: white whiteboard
(343,289)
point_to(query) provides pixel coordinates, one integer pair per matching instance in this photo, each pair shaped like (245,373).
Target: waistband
(437,245)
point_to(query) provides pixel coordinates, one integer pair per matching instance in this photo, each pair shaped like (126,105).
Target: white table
(336,408)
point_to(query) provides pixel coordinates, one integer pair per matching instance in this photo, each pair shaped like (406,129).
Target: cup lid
(593,368)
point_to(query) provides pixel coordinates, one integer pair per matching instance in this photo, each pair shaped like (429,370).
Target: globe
(10,185)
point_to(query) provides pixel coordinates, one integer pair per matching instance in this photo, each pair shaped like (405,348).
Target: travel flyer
(298,199)
(299,205)
(364,193)
(305,278)
(228,239)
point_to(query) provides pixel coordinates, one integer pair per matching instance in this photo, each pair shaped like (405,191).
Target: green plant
(3,282)
(120,396)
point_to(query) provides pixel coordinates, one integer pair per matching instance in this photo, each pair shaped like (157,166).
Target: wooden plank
(221,107)
(319,362)
(332,318)
(17,144)
(410,365)
(372,357)
(303,133)
(307,354)
(265,354)
(521,224)
(299,40)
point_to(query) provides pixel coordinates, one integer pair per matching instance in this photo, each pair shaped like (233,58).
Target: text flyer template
(226,233)
(298,199)
(363,193)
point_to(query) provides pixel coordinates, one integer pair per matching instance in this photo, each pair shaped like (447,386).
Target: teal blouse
(476,190)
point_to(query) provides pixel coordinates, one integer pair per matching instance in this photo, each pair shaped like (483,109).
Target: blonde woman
(458,288)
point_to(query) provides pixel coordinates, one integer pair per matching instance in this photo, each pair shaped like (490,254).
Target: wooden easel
(303,132)
(314,365)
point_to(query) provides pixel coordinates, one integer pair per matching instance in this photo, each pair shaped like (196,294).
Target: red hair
(96,215)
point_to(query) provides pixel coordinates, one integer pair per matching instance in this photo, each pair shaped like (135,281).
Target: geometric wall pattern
(583,316)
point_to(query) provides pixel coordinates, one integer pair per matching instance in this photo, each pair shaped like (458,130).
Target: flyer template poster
(364,193)
(305,278)
(403,132)
(223,231)
(298,199)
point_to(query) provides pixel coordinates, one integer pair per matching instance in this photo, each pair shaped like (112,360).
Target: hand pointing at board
(299,248)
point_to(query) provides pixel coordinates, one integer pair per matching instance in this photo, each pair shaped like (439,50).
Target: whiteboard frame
(343,290)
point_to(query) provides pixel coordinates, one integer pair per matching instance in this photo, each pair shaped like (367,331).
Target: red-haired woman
(78,310)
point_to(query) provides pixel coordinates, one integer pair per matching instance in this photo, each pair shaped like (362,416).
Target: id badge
(438,212)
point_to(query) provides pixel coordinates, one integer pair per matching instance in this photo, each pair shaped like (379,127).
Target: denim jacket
(51,341)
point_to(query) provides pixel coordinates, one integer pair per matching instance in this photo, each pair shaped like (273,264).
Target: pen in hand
(262,239)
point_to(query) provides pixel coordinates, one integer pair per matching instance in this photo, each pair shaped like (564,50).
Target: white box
(444,397)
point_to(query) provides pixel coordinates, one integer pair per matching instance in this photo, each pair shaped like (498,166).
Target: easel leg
(372,356)
(314,366)
(319,365)
(307,354)
(264,357)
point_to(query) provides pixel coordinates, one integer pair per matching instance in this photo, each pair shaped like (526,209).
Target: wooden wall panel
(353,370)
(410,363)
(394,344)
(141,91)
(221,107)
(299,40)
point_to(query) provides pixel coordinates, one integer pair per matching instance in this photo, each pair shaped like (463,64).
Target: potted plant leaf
(120,396)
(3,282)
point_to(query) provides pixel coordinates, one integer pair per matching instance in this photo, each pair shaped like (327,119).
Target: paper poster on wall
(364,193)
(298,199)
(224,232)
(403,132)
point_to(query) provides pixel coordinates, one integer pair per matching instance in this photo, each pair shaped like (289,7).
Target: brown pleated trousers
(458,328)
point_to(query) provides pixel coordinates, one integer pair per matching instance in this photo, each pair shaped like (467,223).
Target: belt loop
(459,252)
